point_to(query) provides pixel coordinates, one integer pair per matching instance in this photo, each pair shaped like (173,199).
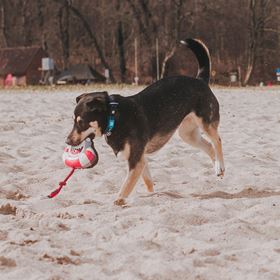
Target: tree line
(242,35)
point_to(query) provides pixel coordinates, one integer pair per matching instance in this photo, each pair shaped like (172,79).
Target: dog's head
(90,117)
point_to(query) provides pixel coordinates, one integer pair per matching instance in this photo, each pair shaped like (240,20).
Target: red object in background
(9,80)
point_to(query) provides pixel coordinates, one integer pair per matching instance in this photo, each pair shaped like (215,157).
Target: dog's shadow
(165,193)
(248,192)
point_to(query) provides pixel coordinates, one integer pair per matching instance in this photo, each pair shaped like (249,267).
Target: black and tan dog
(141,124)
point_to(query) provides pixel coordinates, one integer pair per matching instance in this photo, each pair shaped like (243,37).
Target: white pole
(157,57)
(136,78)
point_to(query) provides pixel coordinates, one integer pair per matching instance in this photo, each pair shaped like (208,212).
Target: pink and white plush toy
(82,156)
(77,157)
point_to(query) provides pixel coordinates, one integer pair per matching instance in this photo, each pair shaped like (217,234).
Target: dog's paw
(219,169)
(120,202)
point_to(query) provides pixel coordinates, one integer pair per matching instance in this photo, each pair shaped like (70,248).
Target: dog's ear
(97,95)
(78,98)
(97,101)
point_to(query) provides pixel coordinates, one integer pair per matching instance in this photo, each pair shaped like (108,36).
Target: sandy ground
(195,226)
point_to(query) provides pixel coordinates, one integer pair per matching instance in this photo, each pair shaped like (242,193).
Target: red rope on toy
(61,184)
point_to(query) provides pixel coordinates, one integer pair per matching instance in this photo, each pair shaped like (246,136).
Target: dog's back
(167,102)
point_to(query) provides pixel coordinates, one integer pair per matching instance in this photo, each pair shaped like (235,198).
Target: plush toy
(77,157)
(82,156)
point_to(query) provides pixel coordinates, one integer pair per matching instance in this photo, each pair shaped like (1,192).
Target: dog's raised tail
(202,54)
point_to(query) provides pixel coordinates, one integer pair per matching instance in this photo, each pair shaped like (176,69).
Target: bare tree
(3,35)
(94,40)
(259,14)
(103,33)
(173,34)
(26,22)
(41,23)
(87,27)
(144,19)
(121,49)
(63,17)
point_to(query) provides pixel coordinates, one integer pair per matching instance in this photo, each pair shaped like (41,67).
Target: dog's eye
(80,123)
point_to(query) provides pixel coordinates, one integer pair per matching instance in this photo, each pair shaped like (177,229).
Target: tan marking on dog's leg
(130,182)
(211,130)
(147,178)
(125,153)
(190,133)
(212,133)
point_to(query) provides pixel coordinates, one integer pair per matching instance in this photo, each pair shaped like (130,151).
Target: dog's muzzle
(75,139)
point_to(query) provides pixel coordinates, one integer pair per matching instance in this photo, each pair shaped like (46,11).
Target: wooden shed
(23,63)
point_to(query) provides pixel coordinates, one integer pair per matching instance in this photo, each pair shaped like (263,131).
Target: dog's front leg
(129,183)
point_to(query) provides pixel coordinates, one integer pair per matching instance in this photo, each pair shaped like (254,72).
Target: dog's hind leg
(146,175)
(131,180)
(211,131)
(190,133)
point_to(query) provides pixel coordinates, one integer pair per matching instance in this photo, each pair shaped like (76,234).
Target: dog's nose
(68,141)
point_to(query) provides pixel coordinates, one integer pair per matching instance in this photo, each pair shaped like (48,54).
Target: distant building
(22,63)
